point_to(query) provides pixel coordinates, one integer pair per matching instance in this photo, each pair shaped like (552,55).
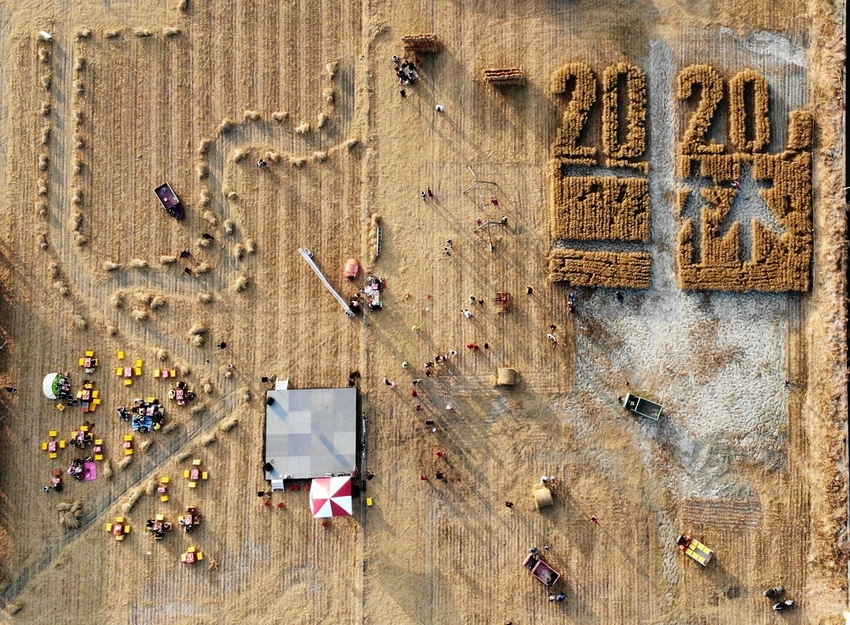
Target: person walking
(509,504)
(467,313)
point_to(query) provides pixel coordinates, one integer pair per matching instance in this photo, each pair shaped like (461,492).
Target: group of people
(158,528)
(144,415)
(405,70)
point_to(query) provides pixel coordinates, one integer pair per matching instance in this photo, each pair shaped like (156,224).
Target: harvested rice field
(616,198)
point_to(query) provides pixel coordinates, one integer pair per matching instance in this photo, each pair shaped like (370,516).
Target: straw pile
(780,262)
(738,111)
(712,93)
(594,208)
(634,141)
(800,129)
(425,42)
(624,270)
(575,114)
(504,76)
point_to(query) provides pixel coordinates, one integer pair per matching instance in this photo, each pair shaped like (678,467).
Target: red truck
(542,571)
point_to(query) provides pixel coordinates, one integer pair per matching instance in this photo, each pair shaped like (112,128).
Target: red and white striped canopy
(331,496)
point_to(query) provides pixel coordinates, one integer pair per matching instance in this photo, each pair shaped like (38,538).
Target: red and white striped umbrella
(331,496)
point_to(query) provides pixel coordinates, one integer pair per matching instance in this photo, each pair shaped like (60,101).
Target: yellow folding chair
(82,362)
(121,355)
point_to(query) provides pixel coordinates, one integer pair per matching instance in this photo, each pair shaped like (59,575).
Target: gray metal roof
(311,432)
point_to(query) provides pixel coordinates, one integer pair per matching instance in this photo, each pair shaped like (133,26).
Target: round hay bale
(111,330)
(202,269)
(124,462)
(167,259)
(228,226)
(117,300)
(139,263)
(197,340)
(170,31)
(61,507)
(205,298)
(106,470)
(506,376)
(250,246)
(207,439)
(80,322)
(108,265)
(542,496)
(280,116)
(83,33)
(162,354)
(140,314)
(143,446)
(210,217)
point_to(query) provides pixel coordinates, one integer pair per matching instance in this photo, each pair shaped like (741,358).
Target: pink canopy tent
(331,496)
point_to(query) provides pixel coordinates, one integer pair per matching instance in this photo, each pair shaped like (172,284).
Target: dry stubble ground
(427,552)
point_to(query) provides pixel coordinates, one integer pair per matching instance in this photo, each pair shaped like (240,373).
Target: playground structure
(308,256)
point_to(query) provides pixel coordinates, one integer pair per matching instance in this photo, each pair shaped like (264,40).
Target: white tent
(47,385)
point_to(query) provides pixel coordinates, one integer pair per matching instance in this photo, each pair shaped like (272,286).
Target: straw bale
(601,269)
(504,76)
(738,111)
(575,113)
(599,208)
(422,42)
(780,262)
(634,144)
(694,141)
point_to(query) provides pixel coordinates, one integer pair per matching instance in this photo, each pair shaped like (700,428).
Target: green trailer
(642,407)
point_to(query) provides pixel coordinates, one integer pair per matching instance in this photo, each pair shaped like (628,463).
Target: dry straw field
(670,172)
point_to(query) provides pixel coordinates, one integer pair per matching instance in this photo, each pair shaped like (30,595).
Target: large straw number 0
(575,113)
